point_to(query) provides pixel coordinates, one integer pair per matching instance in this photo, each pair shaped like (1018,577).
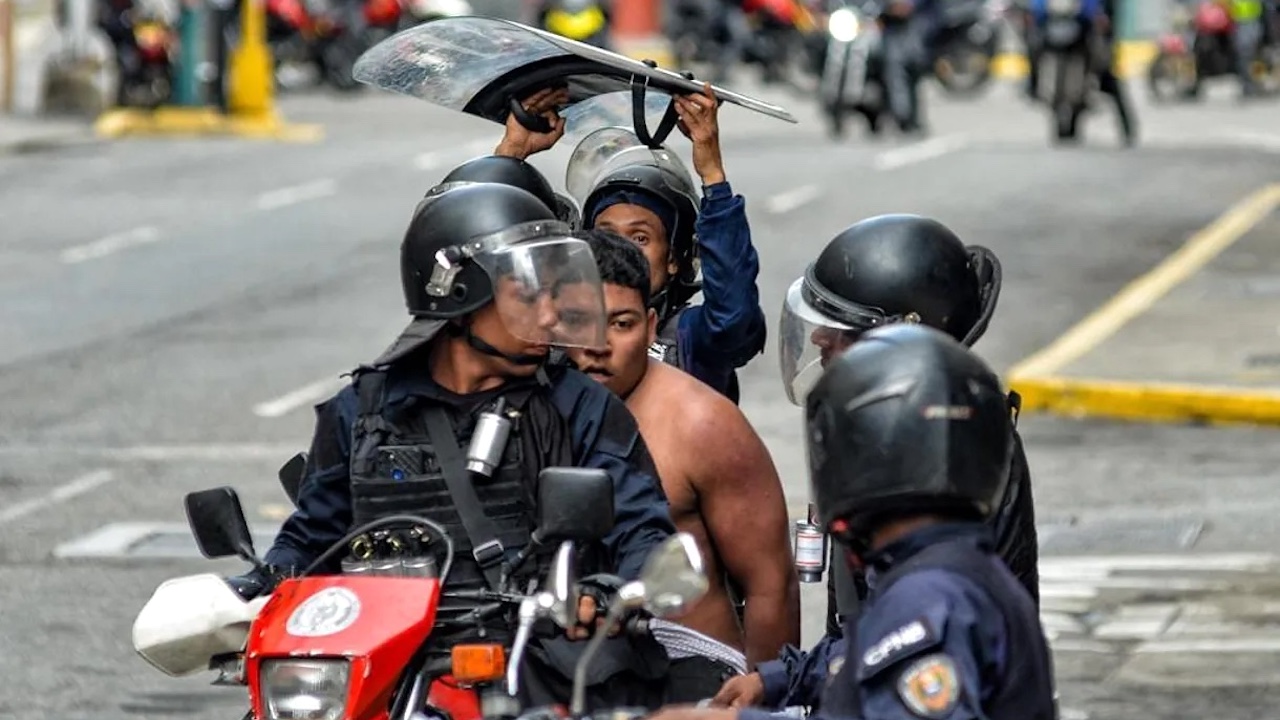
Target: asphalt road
(169,310)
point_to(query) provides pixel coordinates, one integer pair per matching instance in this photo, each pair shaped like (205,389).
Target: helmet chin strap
(481,346)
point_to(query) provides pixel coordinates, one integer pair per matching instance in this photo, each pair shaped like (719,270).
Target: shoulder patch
(930,686)
(907,640)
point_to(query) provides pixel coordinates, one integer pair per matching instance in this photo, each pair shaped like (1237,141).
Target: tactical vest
(1018,695)
(666,347)
(396,469)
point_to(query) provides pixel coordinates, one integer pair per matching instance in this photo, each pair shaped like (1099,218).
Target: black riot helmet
(611,167)
(883,270)
(472,244)
(906,422)
(516,173)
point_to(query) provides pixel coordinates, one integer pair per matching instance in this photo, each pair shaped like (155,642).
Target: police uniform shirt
(933,644)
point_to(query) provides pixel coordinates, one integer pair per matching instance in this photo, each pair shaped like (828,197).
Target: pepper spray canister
(489,441)
(810,545)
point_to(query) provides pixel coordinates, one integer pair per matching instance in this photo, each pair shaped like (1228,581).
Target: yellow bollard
(250,69)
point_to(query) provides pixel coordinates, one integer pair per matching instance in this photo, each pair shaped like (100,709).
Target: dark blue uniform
(603,435)
(728,328)
(947,633)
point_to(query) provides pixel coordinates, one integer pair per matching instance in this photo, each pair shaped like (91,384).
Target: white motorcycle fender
(189,620)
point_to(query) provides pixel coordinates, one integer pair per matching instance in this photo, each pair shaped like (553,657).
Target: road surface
(170,310)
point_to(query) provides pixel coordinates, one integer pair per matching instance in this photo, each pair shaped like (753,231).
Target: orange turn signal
(478,663)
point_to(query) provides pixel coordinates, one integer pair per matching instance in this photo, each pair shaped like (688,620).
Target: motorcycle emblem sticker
(328,612)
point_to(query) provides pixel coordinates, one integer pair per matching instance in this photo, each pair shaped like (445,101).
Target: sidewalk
(1197,339)
(25,134)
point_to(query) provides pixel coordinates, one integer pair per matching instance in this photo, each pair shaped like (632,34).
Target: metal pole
(186,86)
(10,56)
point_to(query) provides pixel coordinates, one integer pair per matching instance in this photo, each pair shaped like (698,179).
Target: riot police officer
(653,202)
(493,281)
(516,173)
(947,631)
(902,269)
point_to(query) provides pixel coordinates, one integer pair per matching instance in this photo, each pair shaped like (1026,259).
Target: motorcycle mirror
(673,576)
(291,474)
(574,504)
(217,522)
(563,585)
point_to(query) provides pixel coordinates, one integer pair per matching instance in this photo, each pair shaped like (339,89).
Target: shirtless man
(720,481)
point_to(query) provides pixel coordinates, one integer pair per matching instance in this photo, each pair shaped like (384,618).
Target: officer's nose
(548,317)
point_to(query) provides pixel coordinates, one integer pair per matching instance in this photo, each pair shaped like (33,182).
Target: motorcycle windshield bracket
(638,121)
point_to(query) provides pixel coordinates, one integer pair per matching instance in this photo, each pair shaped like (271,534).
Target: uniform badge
(930,687)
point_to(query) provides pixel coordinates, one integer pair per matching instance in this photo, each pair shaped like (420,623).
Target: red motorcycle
(351,646)
(329,35)
(1200,47)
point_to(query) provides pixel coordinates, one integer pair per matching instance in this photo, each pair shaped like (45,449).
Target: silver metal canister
(489,441)
(810,545)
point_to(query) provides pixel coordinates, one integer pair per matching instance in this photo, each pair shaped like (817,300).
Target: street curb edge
(1147,401)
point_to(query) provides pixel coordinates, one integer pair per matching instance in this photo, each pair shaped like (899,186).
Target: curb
(202,122)
(1132,58)
(1152,402)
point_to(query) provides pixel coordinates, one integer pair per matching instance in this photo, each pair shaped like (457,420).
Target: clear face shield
(545,283)
(808,341)
(608,150)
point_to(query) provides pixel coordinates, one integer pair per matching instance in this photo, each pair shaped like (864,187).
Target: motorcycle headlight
(843,25)
(305,689)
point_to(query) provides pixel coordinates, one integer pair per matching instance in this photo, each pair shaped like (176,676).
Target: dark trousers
(691,680)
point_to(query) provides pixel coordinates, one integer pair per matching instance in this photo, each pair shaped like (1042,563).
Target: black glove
(258,581)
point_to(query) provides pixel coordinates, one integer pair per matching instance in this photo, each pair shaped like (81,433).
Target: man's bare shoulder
(696,406)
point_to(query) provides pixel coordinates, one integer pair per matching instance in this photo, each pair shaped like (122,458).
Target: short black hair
(619,261)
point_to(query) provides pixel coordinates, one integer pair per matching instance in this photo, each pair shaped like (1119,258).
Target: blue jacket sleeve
(796,677)
(605,436)
(323,516)
(728,328)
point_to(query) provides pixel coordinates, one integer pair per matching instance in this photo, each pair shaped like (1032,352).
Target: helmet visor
(608,150)
(808,342)
(545,284)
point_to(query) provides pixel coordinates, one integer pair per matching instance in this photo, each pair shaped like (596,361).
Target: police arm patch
(908,640)
(930,686)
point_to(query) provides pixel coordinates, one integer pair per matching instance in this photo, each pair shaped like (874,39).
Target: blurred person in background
(1249,18)
(1103,48)
(909,28)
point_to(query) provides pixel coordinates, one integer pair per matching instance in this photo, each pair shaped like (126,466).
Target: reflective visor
(808,341)
(546,286)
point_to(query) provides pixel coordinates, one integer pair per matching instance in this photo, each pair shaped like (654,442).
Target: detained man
(720,482)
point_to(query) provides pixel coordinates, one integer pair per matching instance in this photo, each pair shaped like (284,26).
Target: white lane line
(792,199)
(284,197)
(304,395)
(1267,142)
(79,486)
(919,152)
(437,158)
(110,244)
(118,540)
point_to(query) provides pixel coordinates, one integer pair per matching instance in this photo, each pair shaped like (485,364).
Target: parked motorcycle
(350,646)
(777,44)
(1201,47)
(586,21)
(328,35)
(853,74)
(965,46)
(147,77)
(1066,60)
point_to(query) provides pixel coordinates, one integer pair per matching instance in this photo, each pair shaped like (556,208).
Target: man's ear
(652,321)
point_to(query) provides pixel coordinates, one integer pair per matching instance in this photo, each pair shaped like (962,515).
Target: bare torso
(656,403)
